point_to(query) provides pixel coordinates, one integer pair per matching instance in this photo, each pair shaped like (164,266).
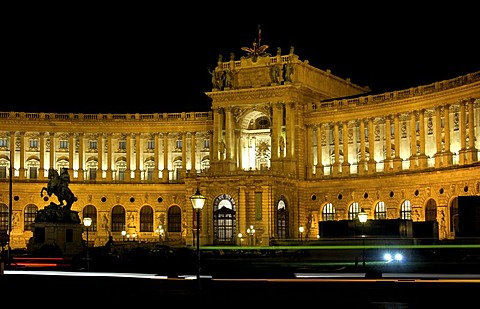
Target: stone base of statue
(56,231)
(57,213)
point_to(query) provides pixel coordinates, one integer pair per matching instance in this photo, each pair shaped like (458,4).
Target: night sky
(148,59)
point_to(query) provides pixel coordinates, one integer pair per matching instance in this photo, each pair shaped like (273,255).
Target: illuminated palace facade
(285,145)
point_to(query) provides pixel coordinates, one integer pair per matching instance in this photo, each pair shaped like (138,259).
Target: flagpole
(259,36)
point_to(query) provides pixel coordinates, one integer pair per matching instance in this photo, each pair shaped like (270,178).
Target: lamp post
(123,235)
(251,232)
(362,217)
(301,229)
(87,222)
(198,200)
(240,235)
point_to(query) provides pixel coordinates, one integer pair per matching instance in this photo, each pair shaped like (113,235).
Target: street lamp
(301,229)
(251,232)
(87,222)
(198,200)
(362,217)
(123,235)
(240,235)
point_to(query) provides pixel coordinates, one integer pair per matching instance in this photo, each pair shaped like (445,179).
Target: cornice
(380,108)
(288,93)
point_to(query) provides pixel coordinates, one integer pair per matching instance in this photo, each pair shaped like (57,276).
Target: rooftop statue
(256,51)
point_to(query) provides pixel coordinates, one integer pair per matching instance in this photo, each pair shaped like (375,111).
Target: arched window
(92,166)
(205,163)
(328,212)
(177,168)
(3,217)
(406,210)
(118,218)
(431,210)
(282,219)
(62,163)
(353,211)
(4,166)
(33,166)
(174,219)
(90,211)
(146,219)
(380,211)
(121,167)
(149,167)
(29,217)
(224,220)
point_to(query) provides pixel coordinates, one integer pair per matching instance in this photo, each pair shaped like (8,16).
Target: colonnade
(394,142)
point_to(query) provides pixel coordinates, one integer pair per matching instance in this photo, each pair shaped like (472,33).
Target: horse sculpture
(58,185)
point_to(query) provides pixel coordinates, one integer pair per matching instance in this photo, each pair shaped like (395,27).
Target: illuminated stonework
(269,144)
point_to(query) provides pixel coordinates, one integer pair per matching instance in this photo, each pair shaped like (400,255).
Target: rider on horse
(58,185)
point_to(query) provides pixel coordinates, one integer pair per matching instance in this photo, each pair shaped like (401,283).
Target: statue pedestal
(59,228)
(67,237)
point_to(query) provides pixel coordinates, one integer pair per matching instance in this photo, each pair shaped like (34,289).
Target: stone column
(388,141)
(41,172)
(345,164)
(100,152)
(109,157)
(372,164)
(319,166)
(138,154)
(361,164)
(438,137)
(397,161)
(463,138)
(21,171)
(413,142)
(336,164)
(447,154)
(165,175)
(81,175)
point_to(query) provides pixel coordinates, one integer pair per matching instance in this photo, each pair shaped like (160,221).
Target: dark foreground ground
(95,291)
(298,277)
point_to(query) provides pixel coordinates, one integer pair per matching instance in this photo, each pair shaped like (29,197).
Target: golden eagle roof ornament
(258,50)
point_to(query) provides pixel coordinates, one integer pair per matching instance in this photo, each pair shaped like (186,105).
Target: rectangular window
(33,143)
(92,173)
(33,172)
(150,144)
(3,172)
(29,218)
(93,145)
(150,174)
(121,174)
(3,142)
(64,144)
(122,145)
(3,219)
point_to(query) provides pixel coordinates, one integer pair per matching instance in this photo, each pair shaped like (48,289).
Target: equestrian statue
(58,185)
